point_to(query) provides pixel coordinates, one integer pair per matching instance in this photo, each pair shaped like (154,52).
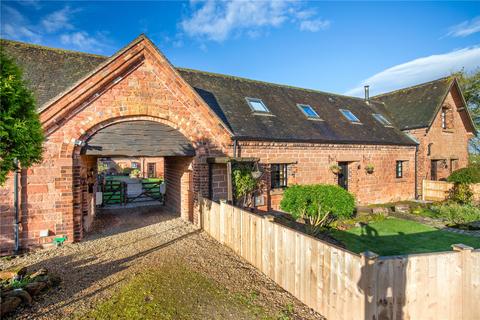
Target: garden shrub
(319,204)
(460,193)
(466,175)
(457,214)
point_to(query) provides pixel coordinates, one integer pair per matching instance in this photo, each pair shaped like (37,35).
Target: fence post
(468,308)
(368,284)
(221,219)
(200,209)
(423,189)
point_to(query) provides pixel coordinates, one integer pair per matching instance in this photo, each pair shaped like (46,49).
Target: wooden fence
(343,285)
(438,190)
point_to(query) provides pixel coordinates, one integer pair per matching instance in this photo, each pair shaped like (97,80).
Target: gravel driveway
(125,242)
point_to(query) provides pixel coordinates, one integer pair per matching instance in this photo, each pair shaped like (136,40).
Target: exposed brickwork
(219,182)
(448,146)
(116,165)
(140,84)
(310,163)
(149,89)
(178,179)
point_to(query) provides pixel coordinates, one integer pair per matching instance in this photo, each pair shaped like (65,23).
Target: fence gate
(114,192)
(150,192)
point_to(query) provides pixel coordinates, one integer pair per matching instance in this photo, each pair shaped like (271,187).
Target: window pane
(257,105)
(382,119)
(278,176)
(399,169)
(349,115)
(308,111)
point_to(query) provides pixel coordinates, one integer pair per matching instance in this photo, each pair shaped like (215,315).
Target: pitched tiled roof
(49,72)
(415,107)
(287,122)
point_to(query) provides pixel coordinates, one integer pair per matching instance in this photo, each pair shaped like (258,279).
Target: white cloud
(465,28)
(218,20)
(53,27)
(58,20)
(17,26)
(82,40)
(314,25)
(31,3)
(420,70)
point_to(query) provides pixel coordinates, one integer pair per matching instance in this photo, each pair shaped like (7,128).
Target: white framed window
(257,105)
(444,118)
(380,118)
(399,169)
(308,111)
(349,115)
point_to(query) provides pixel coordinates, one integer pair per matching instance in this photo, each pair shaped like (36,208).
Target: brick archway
(178,172)
(137,83)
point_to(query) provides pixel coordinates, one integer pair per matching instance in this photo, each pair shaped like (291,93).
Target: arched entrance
(136,139)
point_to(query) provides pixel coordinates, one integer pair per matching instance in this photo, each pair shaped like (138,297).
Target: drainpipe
(15,204)
(234,148)
(416,172)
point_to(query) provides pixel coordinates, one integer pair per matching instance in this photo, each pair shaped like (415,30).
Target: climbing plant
(244,183)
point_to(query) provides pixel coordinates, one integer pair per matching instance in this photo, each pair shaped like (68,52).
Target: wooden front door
(151,172)
(343,175)
(434,170)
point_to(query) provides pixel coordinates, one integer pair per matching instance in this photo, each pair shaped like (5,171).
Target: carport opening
(135,163)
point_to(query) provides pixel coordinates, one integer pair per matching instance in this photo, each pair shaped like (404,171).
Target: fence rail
(438,190)
(343,285)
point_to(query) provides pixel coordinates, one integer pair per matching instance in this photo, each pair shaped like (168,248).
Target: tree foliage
(470,84)
(21,133)
(468,175)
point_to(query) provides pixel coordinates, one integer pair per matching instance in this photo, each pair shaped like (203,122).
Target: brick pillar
(179,186)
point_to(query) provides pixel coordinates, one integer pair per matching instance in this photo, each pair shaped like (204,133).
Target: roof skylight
(257,105)
(380,118)
(308,111)
(349,115)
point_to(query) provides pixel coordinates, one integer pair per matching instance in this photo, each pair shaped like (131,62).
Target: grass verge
(177,292)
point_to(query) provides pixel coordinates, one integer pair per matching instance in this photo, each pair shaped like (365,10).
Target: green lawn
(395,236)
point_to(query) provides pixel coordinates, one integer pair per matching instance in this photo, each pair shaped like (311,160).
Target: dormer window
(349,115)
(257,105)
(308,111)
(380,118)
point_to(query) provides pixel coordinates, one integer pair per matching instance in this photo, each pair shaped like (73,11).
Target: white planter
(98,198)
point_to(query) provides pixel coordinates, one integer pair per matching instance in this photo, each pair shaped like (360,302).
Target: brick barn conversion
(136,104)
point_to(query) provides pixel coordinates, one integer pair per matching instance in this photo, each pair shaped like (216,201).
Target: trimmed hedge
(466,175)
(312,200)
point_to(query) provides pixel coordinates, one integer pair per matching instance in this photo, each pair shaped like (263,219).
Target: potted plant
(369,168)
(335,168)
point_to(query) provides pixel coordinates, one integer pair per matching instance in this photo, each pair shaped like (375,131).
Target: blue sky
(330,46)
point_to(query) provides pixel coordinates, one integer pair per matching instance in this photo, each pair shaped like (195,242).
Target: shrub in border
(318,204)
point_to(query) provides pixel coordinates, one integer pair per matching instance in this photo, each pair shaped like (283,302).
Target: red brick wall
(178,180)
(219,182)
(149,89)
(310,164)
(450,144)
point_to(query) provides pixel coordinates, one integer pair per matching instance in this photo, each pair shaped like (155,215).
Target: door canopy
(138,139)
